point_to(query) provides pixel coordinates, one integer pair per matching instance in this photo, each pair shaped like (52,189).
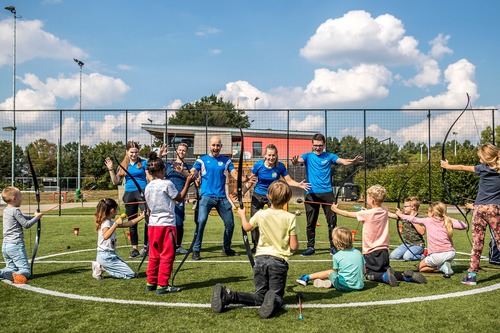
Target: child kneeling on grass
(278,238)
(348,266)
(375,240)
(17,269)
(107,259)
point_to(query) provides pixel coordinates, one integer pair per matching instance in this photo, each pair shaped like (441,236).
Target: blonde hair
(342,238)
(279,193)
(414,201)
(103,209)
(490,155)
(9,192)
(272,147)
(377,192)
(438,210)
(126,159)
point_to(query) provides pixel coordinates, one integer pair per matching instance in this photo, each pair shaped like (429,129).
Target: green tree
(44,157)
(219,113)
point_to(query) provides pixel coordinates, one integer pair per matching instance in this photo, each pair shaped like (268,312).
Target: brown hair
(414,201)
(342,238)
(279,193)
(8,193)
(490,155)
(319,137)
(126,159)
(438,210)
(103,209)
(377,192)
(272,147)
(156,167)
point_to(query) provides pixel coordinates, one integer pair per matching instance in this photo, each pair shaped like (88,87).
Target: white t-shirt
(160,195)
(106,244)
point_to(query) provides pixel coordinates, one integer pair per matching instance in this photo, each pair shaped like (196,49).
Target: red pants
(162,242)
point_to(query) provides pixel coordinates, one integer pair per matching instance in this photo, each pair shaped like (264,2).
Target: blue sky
(289,53)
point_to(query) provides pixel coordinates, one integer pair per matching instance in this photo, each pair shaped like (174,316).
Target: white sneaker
(446,268)
(97,270)
(181,250)
(318,283)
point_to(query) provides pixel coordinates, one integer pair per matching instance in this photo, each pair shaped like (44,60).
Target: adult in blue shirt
(177,172)
(137,167)
(263,173)
(213,168)
(318,165)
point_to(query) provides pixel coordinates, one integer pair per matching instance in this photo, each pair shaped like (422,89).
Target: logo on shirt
(324,161)
(274,174)
(220,163)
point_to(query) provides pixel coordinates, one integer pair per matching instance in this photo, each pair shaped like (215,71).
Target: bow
(145,204)
(38,224)
(195,235)
(443,172)
(398,220)
(239,186)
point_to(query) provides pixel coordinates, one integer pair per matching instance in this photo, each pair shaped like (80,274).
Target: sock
(407,279)
(471,274)
(385,277)
(307,277)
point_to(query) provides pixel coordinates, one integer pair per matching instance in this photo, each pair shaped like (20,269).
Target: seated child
(348,266)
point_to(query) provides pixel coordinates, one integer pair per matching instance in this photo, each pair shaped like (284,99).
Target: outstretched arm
(342,212)
(302,184)
(355,160)
(459,167)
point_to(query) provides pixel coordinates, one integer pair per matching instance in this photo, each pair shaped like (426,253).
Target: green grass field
(110,305)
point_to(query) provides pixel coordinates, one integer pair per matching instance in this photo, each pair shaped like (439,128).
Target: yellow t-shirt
(275,227)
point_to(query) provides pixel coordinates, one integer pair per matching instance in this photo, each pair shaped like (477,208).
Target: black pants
(269,273)
(312,213)
(133,209)
(258,202)
(377,263)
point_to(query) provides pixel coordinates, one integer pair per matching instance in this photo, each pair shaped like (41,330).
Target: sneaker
(414,276)
(390,278)
(19,278)
(267,307)
(318,283)
(167,290)
(229,253)
(470,280)
(181,250)
(150,287)
(333,250)
(134,254)
(196,255)
(8,276)
(143,252)
(303,280)
(446,268)
(97,270)
(218,298)
(308,252)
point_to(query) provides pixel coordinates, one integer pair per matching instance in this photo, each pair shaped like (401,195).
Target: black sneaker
(267,307)
(391,278)
(229,253)
(196,255)
(218,303)
(134,254)
(167,290)
(414,277)
(308,252)
(150,287)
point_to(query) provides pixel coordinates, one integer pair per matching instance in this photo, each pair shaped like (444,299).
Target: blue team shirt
(178,179)
(267,175)
(319,171)
(139,175)
(213,174)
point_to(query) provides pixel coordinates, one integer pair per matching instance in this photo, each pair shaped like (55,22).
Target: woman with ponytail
(487,203)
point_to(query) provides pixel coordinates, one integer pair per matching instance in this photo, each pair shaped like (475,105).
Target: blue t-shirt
(213,174)
(265,175)
(178,179)
(139,175)
(319,171)
(488,192)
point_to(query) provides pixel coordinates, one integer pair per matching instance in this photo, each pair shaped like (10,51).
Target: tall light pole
(78,181)
(455,149)
(12,9)
(255,101)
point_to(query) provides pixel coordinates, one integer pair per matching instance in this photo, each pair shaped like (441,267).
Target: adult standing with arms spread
(318,165)
(263,174)
(177,172)
(132,197)
(213,168)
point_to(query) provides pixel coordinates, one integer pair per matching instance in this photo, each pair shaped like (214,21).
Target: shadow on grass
(311,293)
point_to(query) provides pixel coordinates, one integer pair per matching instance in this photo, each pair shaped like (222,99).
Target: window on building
(256,149)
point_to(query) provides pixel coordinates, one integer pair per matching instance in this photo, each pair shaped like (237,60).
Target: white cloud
(439,47)
(205,30)
(215,51)
(124,67)
(34,42)
(461,80)
(429,75)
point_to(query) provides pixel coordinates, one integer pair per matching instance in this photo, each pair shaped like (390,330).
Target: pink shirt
(375,229)
(437,237)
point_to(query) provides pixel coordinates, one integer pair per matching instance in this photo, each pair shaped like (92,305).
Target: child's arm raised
(189,179)
(459,167)
(342,212)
